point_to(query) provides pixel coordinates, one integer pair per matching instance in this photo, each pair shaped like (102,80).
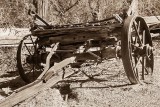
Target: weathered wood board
(152,20)
(37,86)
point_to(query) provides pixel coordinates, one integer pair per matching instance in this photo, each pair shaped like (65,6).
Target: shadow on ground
(10,81)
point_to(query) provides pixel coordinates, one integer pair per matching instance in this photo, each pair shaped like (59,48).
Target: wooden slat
(78,38)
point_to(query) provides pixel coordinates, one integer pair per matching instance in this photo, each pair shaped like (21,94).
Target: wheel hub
(144,50)
(33,59)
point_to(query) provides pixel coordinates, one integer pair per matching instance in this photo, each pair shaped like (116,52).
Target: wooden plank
(9,45)
(152,20)
(9,42)
(133,8)
(78,38)
(35,87)
(71,30)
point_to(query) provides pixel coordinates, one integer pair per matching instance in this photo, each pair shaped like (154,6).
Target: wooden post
(41,8)
(133,9)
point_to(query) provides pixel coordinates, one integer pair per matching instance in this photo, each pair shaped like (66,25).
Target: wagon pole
(38,85)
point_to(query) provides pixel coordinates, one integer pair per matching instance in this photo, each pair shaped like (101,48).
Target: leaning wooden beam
(56,67)
(37,86)
(133,8)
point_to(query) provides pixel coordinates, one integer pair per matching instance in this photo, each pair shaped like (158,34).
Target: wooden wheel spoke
(135,40)
(33,42)
(136,62)
(139,25)
(27,49)
(143,37)
(143,66)
(147,71)
(136,57)
(137,33)
(132,40)
(148,57)
(28,70)
(33,73)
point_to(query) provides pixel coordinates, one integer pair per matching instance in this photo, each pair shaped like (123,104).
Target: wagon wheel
(28,66)
(137,50)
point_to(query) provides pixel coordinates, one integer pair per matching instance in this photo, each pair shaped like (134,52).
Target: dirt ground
(109,88)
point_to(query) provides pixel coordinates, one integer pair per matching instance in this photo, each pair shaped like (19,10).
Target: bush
(149,7)
(14,12)
(7,59)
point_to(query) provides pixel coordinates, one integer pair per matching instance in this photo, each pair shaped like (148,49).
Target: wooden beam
(35,87)
(56,67)
(43,8)
(105,53)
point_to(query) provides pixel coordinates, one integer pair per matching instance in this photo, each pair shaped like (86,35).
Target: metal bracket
(56,67)
(118,18)
(48,59)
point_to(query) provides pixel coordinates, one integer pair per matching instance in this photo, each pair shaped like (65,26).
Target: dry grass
(7,59)
(77,11)
(60,12)
(149,7)
(70,11)
(14,14)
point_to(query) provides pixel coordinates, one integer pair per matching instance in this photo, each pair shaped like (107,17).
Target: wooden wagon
(52,47)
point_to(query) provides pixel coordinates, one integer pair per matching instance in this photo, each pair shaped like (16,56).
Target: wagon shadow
(13,83)
(110,81)
(10,74)
(10,81)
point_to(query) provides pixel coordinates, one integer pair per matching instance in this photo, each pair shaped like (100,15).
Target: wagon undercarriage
(94,41)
